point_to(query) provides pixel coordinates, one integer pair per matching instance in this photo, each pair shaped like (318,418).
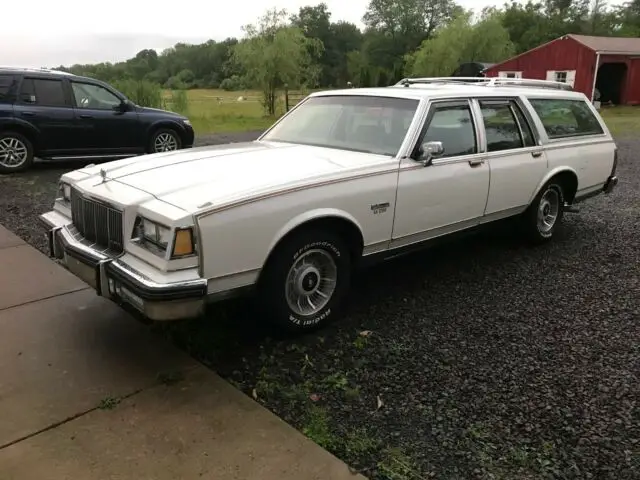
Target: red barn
(609,66)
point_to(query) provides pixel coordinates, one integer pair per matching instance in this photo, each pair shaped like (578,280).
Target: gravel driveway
(480,359)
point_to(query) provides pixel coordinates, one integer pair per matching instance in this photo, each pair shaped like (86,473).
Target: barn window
(510,74)
(563,76)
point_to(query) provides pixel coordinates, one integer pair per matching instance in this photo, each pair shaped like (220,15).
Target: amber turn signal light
(183,243)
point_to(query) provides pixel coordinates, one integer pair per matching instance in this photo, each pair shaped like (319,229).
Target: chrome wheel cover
(311,282)
(548,210)
(13,152)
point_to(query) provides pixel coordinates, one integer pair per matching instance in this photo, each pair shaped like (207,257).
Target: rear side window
(505,125)
(43,92)
(566,118)
(6,87)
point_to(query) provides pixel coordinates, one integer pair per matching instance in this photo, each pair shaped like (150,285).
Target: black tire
(536,232)
(157,135)
(316,246)
(19,143)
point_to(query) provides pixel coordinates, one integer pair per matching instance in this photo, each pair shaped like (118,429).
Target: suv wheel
(306,280)
(164,140)
(16,152)
(545,213)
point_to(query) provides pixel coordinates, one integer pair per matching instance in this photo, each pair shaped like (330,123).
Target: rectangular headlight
(152,235)
(64,191)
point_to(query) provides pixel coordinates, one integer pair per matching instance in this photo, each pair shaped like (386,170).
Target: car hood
(205,177)
(157,111)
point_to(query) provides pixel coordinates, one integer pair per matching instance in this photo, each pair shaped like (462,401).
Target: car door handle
(28,114)
(476,161)
(84,115)
(536,153)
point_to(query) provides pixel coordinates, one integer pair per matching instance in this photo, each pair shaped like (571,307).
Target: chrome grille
(97,223)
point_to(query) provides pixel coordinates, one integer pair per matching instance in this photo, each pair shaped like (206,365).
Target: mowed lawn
(218,111)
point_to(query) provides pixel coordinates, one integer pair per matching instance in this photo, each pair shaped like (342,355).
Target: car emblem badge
(103,174)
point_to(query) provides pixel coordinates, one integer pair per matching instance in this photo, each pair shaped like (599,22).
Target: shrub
(233,83)
(179,102)
(141,92)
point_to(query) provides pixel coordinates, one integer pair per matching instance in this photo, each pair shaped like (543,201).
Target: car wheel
(164,140)
(306,280)
(16,152)
(545,213)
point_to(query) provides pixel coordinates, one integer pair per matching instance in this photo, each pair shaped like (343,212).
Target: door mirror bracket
(428,151)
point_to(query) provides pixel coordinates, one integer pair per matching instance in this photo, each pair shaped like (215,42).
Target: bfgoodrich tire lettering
(306,280)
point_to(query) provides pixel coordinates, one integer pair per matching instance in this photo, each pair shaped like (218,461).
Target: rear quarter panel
(590,157)
(236,240)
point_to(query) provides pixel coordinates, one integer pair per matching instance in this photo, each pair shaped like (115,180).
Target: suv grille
(97,223)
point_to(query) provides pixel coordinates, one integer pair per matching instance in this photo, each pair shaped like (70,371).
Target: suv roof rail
(488,82)
(34,70)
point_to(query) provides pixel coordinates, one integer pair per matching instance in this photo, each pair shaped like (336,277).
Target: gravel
(474,360)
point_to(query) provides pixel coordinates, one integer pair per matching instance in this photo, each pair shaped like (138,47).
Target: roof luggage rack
(34,70)
(487,82)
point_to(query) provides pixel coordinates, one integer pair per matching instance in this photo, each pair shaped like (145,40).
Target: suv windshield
(350,122)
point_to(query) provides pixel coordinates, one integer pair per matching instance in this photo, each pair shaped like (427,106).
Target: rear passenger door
(46,104)
(450,194)
(516,161)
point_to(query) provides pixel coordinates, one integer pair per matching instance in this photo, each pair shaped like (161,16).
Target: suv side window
(505,125)
(88,95)
(564,118)
(43,92)
(6,86)
(452,124)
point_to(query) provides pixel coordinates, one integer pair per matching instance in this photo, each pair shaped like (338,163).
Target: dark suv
(56,115)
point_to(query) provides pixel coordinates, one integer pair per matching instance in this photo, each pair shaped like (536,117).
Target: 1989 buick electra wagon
(345,176)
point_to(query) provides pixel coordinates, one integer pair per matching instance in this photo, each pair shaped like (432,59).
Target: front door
(451,193)
(105,129)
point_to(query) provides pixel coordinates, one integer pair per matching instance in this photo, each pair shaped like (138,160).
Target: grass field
(213,111)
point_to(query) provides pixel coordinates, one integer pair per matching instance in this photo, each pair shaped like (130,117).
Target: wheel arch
(29,131)
(332,219)
(568,178)
(170,124)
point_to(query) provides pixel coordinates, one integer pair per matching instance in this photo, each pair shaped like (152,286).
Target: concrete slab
(26,275)
(198,428)
(62,356)
(8,239)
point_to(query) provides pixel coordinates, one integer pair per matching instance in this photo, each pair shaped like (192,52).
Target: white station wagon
(345,177)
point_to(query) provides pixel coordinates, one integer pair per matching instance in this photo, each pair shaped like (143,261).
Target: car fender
(165,122)
(550,174)
(306,217)
(20,126)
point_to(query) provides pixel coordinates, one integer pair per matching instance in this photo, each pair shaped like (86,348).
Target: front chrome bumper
(119,282)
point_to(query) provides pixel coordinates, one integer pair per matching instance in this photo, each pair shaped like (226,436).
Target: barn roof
(619,45)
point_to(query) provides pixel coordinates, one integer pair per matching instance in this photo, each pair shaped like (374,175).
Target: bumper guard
(113,279)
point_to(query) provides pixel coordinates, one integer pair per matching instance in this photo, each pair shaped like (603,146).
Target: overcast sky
(63,32)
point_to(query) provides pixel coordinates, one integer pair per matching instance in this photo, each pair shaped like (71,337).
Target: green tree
(274,54)
(461,41)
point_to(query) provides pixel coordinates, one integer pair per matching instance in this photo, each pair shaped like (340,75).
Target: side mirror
(428,151)
(124,106)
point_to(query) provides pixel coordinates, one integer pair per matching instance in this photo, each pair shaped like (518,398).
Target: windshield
(350,122)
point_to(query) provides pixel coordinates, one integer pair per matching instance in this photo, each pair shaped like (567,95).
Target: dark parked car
(55,115)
